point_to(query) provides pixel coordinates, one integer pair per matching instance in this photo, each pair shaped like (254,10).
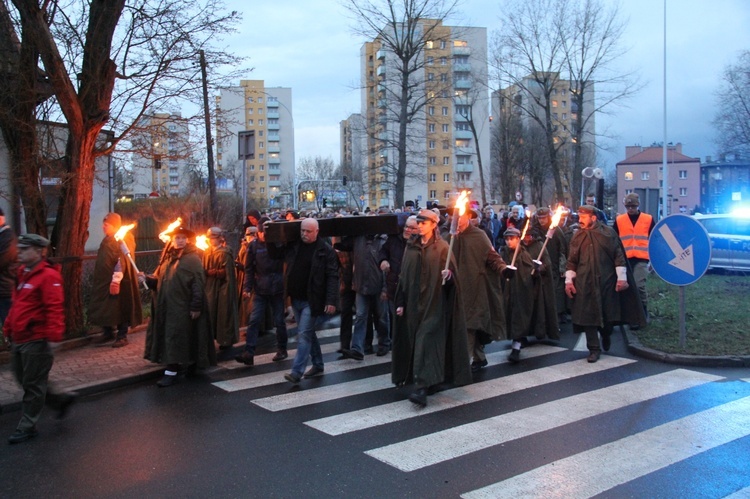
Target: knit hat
(113,219)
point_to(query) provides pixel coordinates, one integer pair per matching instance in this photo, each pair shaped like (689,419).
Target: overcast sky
(310,46)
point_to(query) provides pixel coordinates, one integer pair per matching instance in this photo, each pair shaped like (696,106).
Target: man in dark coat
(115,298)
(391,256)
(221,289)
(597,281)
(179,333)
(491,225)
(311,281)
(429,340)
(478,270)
(557,249)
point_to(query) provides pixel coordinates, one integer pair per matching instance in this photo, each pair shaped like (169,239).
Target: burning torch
(459,206)
(550,232)
(120,237)
(512,265)
(202,242)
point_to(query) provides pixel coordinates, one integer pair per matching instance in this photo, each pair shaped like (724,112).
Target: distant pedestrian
(245,303)
(115,301)
(311,280)
(591,201)
(429,338)
(596,280)
(634,229)
(179,334)
(221,289)
(35,319)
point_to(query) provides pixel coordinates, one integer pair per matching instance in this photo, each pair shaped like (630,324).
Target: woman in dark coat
(179,333)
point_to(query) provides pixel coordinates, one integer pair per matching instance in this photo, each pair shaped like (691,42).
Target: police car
(730,240)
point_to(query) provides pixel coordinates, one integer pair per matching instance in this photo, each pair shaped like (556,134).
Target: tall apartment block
(523,101)
(353,154)
(442,151)
(162,157)
(268,112)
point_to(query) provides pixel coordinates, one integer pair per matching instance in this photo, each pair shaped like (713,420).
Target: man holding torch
(115,299)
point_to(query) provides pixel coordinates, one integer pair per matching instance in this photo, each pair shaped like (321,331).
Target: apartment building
(642,172)
(162,156)
(725,184)
(449,90)
(353,156)
(527,100)
(267,111)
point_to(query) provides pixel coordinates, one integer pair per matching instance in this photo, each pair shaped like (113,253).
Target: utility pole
(209,143)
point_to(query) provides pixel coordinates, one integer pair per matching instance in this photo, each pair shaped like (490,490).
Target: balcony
(462,134)
(381,87)
(273,147)
(272,103)
(382,103)
(462,84)
(273,126)
(272,113)
(274,183)
(380,54)
(381,71)
(462,68)
(273,160)
(461,50)
(465,168)
(273,137)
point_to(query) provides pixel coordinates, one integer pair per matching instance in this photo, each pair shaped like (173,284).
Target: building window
(446,194)
(252,178)
(554,91)
(250,99)
(683,191)
(249,122)
(433,177)
(445,128)
(433,194)
(645,175)
(444,77)
(446,160)
(260,122)
(431,111)
(429,44)
(554,115)
(252,167)
(249,110)
(262,190)
(432,160)
(430,60)
(554,103)
(565,116)
(628,176)
(262,168)
(442,44)
(430,76)
(683,174)
(564,103)
(443,60)
(261,156)
(446,144)
(432,144)
(260,133)
(260,110)
(446,177)
(260,145)
(262,177)
(432,127)
(628,191)
(445,111)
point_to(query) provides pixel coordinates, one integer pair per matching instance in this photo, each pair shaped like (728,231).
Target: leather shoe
(593,357)
(514,356)
(313,372)
(477,365)
(292,378)
(120,342)
(167,380)
(280,355)
(606,342)
(22,435)
(352,354)
(382,350)
(419,397)
(246,358)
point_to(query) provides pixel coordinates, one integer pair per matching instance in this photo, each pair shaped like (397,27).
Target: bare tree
(592,41)
(319,175)
(732,118)
(509,167)
(404,28)
(107,63)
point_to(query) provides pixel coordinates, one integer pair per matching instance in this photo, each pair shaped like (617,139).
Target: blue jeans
(258,316)
(307,340)
(363,304)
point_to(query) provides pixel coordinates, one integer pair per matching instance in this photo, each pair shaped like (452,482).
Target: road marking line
(296,399)
(465,439)
(740,494)
(635,455)
(398,411)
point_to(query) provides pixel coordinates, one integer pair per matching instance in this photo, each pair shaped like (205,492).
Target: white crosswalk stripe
(461,440)
(399,411)
(636,455)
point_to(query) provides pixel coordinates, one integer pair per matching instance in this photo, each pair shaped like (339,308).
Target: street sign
(679,249)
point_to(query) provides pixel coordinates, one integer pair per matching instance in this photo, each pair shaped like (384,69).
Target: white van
(730,241)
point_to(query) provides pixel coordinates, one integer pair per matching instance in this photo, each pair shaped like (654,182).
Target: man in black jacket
(311,281)
(264,282)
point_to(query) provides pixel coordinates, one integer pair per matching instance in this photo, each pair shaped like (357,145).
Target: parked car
(730,241)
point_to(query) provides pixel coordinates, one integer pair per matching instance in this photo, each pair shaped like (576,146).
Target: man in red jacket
(36,318)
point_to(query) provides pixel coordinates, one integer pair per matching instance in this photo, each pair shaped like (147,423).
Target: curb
(636,348)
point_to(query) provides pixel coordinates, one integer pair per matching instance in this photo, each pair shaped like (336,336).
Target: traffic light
(343,181)
(325,202)
(416,204)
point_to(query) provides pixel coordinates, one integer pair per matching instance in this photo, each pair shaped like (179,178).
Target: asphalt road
(551,426)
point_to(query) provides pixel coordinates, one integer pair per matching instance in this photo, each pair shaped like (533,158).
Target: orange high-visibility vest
(634,237)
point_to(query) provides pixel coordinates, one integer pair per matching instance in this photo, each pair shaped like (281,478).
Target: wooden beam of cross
(285,232)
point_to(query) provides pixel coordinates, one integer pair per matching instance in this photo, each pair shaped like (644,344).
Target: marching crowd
(434,294)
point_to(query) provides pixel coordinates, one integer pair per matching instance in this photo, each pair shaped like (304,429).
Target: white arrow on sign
(683,257)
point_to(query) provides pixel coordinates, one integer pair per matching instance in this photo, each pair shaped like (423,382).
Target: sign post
(680,251)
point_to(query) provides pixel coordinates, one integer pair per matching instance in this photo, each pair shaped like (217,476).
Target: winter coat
(36,312)
(429,339)
(264,275)
(221,293)
(124,308)
(367,278)
(172,336)
(8,261)
(393,252)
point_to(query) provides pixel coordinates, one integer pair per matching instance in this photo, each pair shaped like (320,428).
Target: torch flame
(202,242)
(165,236)
(461,203)
(120,234)
(525,226)
(557,216)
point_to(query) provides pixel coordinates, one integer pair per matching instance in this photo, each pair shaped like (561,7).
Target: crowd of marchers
(434,294)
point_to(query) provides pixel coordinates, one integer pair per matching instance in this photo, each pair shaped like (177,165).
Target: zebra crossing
(664,444)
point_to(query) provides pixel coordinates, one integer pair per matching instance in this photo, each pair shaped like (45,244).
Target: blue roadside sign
(679,250)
